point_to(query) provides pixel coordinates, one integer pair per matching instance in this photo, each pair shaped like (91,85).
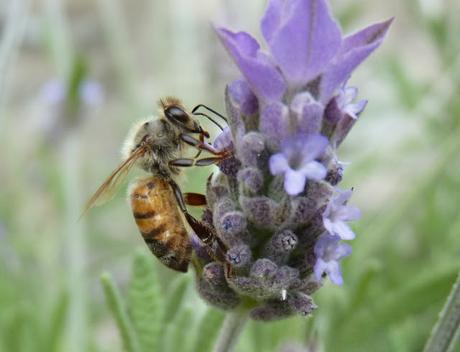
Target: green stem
(231,330)
(447,329)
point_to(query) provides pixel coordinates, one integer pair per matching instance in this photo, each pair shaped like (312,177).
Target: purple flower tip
(297,163)
(303,37)
(337,213)
(262,76)
(329,251)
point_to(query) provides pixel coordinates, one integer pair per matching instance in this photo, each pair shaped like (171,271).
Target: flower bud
(284,278)
(231,227)
(271,310)
(222,206)
(280,246)
(239,256)
(251,150)
(259,210)
(214,289)
(301,303)
(251,180)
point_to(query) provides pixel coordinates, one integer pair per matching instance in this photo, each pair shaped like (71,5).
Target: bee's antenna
(208,117)
(209,109)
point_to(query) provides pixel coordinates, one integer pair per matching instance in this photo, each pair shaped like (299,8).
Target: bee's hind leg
(194,199)
(204,232)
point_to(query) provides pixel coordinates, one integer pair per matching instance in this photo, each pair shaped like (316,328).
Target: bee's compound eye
(175,113)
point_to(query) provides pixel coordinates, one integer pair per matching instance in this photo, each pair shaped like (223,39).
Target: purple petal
(274,121)
(334,273)
(366,36)
(342,198)
(272,17)
(348,213)
(265,81)
(243,96)
(354,110)
(314,170)
(354,50)
(306,39)
(341,229)
(348,95)
(278,164)
(313,146)
(319,268)
(224,139)
(343,250)
(309,113)
(320,245)
(328,225)
(294,182)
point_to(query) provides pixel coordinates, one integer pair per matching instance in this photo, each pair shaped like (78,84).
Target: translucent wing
(108,189)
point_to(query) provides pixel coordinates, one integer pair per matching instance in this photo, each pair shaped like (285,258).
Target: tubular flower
(274,204)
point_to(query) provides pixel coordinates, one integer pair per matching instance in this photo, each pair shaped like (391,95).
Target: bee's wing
(109,187)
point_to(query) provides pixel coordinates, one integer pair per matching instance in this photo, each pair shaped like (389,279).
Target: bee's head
(175,113)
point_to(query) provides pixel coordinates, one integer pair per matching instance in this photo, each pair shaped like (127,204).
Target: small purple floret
(345,102)
(297,163)
(329,251)
(336,215)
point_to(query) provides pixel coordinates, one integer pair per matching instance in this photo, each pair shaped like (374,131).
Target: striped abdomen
(159,220)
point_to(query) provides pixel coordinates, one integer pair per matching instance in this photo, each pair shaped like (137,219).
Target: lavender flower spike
(329,251)
(336,215)
(296,161)
(274,204)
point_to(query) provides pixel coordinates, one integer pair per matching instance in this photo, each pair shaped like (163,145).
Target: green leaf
(145,302)
(176,295)
(57,323)
(392,307)
(447,329)
(180,333)
(208,329)
(118,309)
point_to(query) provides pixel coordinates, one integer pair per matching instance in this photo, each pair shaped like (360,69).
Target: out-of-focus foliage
(405,148)
(159,321)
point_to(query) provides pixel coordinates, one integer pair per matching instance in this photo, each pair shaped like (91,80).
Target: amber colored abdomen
(159,220)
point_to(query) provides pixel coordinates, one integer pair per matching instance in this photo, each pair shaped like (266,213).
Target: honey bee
(157,146)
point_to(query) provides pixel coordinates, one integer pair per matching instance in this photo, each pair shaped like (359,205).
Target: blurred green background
(75,74)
